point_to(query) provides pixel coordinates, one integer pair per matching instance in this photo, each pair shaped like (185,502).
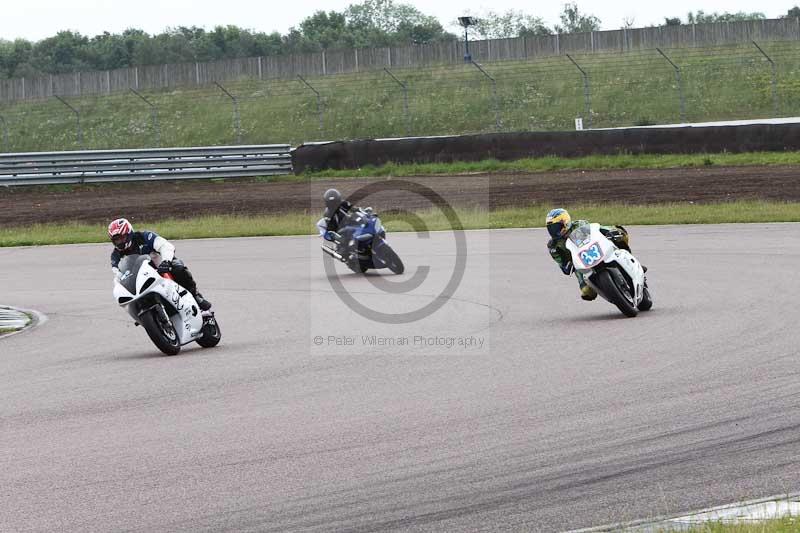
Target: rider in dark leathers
(336,212)
(161,251)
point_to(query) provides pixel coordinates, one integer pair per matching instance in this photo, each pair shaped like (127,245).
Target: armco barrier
(509,146)
(47,168)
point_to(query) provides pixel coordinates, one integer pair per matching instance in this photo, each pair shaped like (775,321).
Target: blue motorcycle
(361,244)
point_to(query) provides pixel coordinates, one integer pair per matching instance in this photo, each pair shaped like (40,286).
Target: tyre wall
(509,146)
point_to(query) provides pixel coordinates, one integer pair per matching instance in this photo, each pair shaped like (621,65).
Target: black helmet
(333,199)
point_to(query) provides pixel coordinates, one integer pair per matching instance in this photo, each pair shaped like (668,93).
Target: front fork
(159,309)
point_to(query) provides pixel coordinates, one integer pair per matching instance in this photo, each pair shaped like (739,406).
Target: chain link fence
(657,86)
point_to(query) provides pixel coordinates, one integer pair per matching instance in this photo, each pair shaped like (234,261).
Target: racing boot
(204,304)
(588,293)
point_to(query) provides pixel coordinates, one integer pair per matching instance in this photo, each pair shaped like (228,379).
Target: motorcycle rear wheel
(647,301)
(211,334)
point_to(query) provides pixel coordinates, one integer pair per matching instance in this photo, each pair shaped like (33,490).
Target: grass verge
(554,164)
(518,217)
(784,525)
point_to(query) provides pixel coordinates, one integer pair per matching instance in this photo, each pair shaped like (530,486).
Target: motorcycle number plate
(591,256)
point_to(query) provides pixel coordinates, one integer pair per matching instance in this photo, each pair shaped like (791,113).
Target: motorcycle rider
(161,252)
(335,219)
(559,225)
(336,212)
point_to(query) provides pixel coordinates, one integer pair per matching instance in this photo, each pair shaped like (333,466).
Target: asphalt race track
(566,416)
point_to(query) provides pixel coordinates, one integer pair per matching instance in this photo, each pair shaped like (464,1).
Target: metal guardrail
(52,168)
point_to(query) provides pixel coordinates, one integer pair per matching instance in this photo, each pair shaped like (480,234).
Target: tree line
(369,23)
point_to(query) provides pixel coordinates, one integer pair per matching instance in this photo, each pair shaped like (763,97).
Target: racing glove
(567,268)
(165,267)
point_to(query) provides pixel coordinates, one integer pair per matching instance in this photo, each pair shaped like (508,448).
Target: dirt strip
(159,200)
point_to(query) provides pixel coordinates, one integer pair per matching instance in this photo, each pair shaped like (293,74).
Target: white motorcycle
(168,312)
(614,273)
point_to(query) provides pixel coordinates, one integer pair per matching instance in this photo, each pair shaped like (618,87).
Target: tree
(429,32)
(107,52)
(672,21)
(512,23)
(384,23)
(65,52)
(384,15)
(327,30)
(15,59)
(573,21)
(702,17)
(793,13)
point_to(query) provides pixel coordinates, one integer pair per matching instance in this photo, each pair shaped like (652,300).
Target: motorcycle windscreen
(129,270)
(581,234)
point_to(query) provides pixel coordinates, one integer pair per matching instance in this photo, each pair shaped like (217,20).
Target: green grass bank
(522,217)
(542,94)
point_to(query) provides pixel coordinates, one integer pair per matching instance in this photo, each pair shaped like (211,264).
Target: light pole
(467,22)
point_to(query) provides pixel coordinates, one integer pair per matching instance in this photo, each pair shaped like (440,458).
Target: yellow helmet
(558,222)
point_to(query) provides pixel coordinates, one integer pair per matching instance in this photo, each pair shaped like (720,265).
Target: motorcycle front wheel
(386,255)
(619,296)
(161,331)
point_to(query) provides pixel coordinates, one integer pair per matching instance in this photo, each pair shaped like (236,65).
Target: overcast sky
(35,19)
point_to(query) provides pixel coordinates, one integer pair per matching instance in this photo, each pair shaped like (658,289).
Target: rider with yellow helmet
(559,224)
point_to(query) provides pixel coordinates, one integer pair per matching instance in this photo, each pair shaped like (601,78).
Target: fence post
(153,116)
(679,79)
(79,131)
(587,91)
(405,100)
(237,121)
(774,79)
(319,100)
(5,134)
(494,96)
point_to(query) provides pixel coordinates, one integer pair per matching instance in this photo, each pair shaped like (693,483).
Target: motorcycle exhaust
(333,253)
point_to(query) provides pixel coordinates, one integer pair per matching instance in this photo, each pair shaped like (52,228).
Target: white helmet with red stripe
(120,231)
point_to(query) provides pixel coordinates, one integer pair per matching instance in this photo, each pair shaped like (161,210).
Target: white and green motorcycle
(614,273)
